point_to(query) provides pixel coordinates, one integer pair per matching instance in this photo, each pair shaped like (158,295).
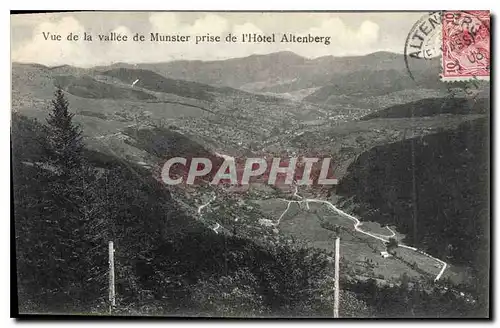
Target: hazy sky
(351,34)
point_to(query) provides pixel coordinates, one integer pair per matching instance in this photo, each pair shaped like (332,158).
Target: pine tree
(65,144)
(72,189)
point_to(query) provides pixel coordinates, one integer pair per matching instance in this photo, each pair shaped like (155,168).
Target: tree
(68,202)
(36,213)
(65,144)
(391,245)
(405,280)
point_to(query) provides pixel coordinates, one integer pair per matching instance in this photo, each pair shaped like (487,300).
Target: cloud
(210,24)
(48,52)
(164,22)
(368,32)
(169,24)
(249,49)
(344,39)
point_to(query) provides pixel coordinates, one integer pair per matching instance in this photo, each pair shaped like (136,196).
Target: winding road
(357,225)
(205,205)
(217,225)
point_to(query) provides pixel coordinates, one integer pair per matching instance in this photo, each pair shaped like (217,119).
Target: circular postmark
(423,41)
(453,44)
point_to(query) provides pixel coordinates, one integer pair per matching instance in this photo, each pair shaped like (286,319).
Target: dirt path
(357,223)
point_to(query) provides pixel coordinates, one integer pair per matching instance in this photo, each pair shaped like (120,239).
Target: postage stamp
(465,45)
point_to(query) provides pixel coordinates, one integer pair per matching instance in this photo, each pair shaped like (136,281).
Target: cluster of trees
(69,202)
(391,245)
(433,106)
(412,300)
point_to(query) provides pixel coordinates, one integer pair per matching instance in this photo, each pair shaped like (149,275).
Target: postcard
(251,164)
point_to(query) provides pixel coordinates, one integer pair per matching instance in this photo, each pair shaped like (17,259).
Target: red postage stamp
(466,45)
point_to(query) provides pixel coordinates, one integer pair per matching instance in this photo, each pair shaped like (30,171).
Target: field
(375,228)
(360,253)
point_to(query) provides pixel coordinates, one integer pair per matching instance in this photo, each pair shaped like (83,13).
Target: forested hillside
(445,192)
(432,107)
(70,202)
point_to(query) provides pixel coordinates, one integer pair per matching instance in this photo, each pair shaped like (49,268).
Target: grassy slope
(311,226)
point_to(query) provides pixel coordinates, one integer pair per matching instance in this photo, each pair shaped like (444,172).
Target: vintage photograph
(251,164)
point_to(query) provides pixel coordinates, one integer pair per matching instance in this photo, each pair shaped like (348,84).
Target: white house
(384,254)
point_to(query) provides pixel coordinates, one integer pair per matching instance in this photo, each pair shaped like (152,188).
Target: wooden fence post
(337,290)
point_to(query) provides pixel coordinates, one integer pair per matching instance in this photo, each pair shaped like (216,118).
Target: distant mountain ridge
(314,80)
(296,72)
(284,72)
